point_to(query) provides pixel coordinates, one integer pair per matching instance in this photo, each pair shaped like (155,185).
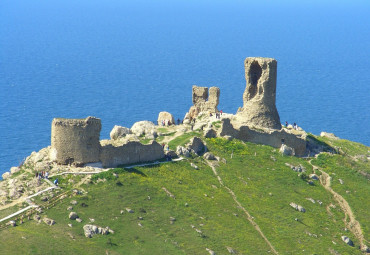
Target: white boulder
(118,132)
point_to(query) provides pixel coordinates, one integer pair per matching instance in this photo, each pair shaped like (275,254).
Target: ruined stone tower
(75,140)
(204,100)
(259,97)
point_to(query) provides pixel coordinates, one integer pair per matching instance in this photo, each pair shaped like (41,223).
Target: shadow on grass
(315,144)
(133,170)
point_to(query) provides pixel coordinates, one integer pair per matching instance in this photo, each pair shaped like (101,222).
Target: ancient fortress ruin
(76,141)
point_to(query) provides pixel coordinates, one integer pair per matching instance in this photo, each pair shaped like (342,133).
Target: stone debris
(194,166)
(311,199)
(210,251)
(91,230)
(119,132)
(36,217)
(286,150)
(341,181)
(347,240)
(142,127)
(129,210)
(168,193)
(209,156)
(12,223)
(73,215)
(70,225)
(329,135)
(140,225)
(297,207)
(74,202)
(180,150)
(314,177)
(79,220)
(48,221)
(231,250)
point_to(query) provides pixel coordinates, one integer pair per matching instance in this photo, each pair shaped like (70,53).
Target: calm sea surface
(125,61)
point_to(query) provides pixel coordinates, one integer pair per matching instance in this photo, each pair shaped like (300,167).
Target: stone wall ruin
(76,141)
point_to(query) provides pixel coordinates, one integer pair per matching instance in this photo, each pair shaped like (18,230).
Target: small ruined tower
(75,140)
(204,100)
(259,97)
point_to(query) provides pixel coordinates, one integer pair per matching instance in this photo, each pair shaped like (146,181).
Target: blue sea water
(125,61)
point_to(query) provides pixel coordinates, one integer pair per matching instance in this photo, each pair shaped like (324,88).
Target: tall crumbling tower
(259,97)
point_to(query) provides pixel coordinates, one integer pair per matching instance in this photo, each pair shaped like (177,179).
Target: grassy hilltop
(240,204)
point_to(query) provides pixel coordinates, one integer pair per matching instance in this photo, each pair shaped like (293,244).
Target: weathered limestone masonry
(270,137)
(129,153)
(77,141)
(259,121)
(259,97)
(203,102)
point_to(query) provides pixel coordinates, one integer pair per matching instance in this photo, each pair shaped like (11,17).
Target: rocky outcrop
(48,221)
(259,97)
(5,175)
(72,215)
(143,127)
(180,150)
(204,100)
(91,230)
(209,156)
(329,135)
(347,240)
(165,118)
(119,132)
(297,207)
(286,150)
(196,144)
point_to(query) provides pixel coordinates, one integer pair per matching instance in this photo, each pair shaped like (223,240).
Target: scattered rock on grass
(129,210)
(79,220)
(210,251)
(341,181)
(231,250)
(209,156)
(297,207)
(73,216)
(314,177)
(193,165)
(286,150)
(347,240)
(91,230)
(74,202)
(12,223)
(48,221)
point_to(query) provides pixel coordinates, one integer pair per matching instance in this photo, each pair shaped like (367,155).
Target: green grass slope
(260,179)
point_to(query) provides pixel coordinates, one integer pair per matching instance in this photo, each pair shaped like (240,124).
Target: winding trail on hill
(353,225)
(27,200)
(249,217)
